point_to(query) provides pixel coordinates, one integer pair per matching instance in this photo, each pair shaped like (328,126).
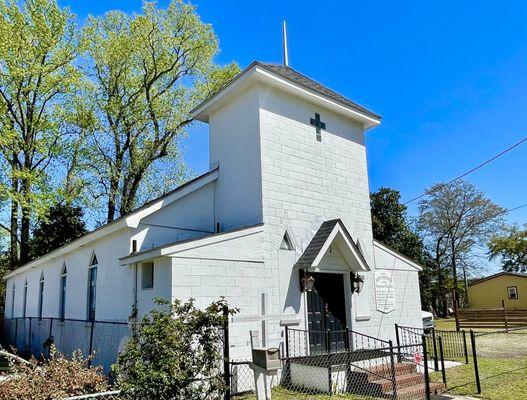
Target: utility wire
(515,208)
(473,170)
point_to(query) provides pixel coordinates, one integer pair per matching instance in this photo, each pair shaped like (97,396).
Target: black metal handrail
(303,342)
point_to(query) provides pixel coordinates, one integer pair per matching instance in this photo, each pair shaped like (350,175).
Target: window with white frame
(40,295)
(92,287)
(62,294)
(13,292)
(512,291)
(147,275)
(24,309)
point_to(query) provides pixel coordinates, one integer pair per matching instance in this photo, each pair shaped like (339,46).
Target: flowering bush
(54,378)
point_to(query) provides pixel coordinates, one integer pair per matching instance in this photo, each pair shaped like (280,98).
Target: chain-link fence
(34,336)
(455,343)
(500,362)
(110,395)
(344,362)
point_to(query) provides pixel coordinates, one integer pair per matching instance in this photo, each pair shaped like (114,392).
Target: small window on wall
(147,275)
(512,291)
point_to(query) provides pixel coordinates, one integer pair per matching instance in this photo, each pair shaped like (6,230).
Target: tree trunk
(465,281)
(129,197)
(13,245)
(112,198)
(455,297)
(25,222)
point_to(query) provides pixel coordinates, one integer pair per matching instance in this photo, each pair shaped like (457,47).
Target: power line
(515,208)
(472,169)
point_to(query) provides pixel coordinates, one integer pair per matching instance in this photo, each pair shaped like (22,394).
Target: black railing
(454,342)
(301,342)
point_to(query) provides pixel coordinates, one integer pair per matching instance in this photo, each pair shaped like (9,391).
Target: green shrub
(174,353)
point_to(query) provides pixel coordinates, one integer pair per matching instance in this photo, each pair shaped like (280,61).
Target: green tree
(61,224)
(456,219)
(148,71)
(174,353)
(511,248)
(390,226)
(38,44)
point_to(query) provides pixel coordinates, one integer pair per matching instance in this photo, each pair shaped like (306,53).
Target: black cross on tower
(318,124)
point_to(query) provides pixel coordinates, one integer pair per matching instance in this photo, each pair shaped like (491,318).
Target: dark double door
(326,310)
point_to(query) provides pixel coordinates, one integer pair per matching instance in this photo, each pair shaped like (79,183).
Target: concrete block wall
(241,283)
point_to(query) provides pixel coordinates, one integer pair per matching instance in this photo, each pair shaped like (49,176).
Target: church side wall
(114,283)
(162,288)
(242,283)
(195,212)
(234,144)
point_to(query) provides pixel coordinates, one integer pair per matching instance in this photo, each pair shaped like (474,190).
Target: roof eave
(128,221)
(256,72)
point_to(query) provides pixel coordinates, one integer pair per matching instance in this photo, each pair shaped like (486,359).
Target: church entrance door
(326,310)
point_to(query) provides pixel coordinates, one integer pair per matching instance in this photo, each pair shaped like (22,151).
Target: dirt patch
(502,345)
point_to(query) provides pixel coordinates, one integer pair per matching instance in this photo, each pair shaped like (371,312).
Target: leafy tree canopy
(61,224)
(390,224)
(511,248)
(148,72)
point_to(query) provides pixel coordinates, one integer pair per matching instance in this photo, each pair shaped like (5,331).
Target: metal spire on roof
(284,44)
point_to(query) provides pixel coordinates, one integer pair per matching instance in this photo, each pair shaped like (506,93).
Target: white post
(262,382)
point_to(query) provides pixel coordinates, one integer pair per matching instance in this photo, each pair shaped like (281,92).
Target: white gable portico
(286,200)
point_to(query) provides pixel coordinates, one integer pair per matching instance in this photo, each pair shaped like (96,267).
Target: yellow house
(490,291)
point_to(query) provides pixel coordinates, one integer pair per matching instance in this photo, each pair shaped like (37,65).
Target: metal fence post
(50,336)
(347,340)
(475,358)
(29,344)
(505,316)
(328,348)
(286,341)
(226,354)
(436,364)
(394,378)
(16,332)
(427,376)
(442,357)
(398,343)
(465,347)
(92,324)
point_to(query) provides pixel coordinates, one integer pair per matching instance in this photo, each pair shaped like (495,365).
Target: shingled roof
(302,80)
(316,245)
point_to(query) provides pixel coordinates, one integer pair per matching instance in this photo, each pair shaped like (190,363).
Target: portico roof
(332,232)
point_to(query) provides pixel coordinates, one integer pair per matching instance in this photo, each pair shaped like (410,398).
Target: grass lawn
(446,324)
(283,394)
(501,379)
(502,361)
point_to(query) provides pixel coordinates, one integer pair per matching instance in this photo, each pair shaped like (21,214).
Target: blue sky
(449,79)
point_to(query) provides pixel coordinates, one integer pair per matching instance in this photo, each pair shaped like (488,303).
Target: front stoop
(410,384)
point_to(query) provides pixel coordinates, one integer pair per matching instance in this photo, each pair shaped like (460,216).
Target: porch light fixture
(357,282)
(306,281)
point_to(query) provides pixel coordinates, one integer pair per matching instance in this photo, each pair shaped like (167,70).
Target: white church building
(280,226)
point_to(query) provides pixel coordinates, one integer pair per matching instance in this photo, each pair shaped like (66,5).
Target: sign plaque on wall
(384,291)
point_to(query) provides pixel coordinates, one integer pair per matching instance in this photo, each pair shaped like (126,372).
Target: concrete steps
(410,384)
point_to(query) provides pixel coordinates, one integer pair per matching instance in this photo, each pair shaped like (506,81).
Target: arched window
(62,294)
(92,287)
(40,295)
(25,301)
(13,301)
